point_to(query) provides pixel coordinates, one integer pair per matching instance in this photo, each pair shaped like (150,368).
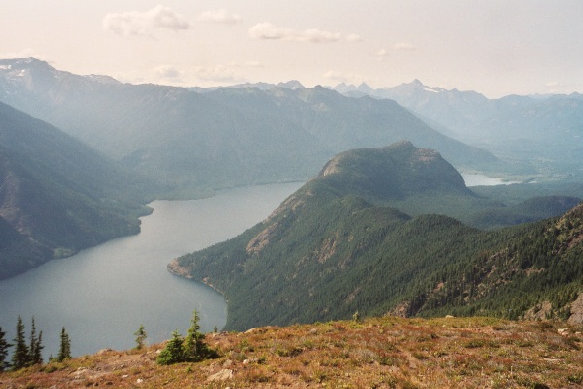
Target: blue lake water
(103,294)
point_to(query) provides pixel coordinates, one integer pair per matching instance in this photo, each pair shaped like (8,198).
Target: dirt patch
(576,311)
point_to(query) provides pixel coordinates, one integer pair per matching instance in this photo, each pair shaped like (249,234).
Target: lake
(103,294)
(480,179)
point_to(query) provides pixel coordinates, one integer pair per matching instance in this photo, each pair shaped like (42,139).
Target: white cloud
(144,23)
(318,36)
(168,72)
(314,35)
(404,46)
(381,53)
(219,16)
(269,31)
(353,38)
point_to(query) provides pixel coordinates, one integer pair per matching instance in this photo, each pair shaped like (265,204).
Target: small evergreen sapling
(189,349)
(141,336)
(173,352)
(194,347)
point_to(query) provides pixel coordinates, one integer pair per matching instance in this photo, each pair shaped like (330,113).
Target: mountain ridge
(543,132)
(199,141)
(57,195)
(352,248)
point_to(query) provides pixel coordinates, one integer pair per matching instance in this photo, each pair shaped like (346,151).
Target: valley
(103,294)
(126,204)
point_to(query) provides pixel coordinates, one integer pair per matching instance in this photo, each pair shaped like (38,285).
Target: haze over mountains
(545,131)
(191,140)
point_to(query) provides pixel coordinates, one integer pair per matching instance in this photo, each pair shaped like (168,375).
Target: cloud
(271,32)
(404,46)
(381,54)
(144,23)
(353,38)
(168,72)
(220,16)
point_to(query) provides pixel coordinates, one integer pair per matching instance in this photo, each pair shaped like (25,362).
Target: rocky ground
(376,353)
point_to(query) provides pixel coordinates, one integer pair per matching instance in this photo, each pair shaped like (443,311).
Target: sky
(494,47)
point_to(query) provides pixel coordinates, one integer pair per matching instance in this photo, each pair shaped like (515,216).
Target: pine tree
(4,346)
(193,340)
(35,347)
(194,347)
(173,352)
(141,336)
(20,356)
(37,357)
(65,348)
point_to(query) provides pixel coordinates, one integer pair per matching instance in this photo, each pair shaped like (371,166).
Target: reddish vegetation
(377,353)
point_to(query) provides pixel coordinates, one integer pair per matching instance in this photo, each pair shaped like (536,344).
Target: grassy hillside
(57,195)
(339,245)
(379,353)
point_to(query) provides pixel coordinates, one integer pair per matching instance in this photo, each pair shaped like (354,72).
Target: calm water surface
(479,179)
(103,294)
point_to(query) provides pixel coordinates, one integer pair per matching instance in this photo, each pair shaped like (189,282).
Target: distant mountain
(292,84)
(56,195)
(340,245)
(191,139)
(545,131)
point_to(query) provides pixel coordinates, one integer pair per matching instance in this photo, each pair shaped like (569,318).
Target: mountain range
(192,141)
(343,243)
(545,131)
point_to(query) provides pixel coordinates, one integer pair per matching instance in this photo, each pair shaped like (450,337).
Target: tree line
(29,354)
(191,348)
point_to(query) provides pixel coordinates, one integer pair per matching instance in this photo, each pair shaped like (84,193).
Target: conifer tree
(65,348)
(193,342)
(20,356)
(141,336)
(194,347)
(35,346)
(4,346)
(37,357)
(173,351)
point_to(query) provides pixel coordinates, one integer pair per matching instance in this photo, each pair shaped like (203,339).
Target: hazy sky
(495,47)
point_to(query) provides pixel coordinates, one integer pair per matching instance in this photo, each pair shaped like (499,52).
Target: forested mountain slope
(336,246)
(56,194)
